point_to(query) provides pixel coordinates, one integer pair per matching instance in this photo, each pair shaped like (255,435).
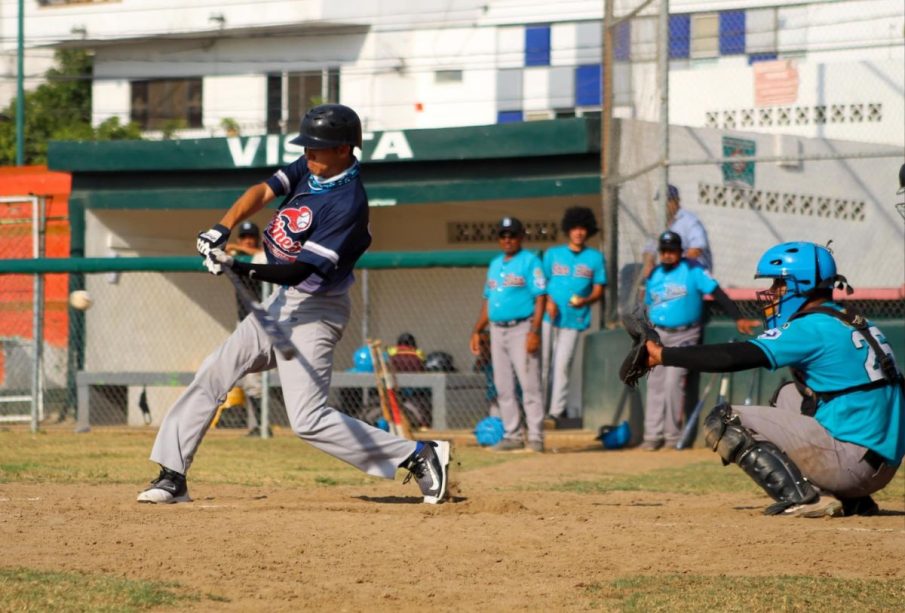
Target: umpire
(674,297)
(514,298)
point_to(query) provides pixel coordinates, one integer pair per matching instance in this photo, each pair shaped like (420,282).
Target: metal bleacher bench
(440,384)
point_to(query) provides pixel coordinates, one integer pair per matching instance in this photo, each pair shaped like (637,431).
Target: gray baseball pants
(832,465)
(666,392)
(316,323)
(558,349)
(507,350)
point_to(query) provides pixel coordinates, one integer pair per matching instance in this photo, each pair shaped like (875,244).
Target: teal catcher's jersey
(834,356)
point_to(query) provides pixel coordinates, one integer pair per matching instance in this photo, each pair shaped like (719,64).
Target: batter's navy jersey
(321,222)
(572,273)
(834,356)
(513,285)
(675,298)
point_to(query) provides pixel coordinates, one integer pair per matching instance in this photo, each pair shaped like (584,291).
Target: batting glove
(215,261)
(211,239)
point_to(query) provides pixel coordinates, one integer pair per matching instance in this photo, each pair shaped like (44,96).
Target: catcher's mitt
(635,364)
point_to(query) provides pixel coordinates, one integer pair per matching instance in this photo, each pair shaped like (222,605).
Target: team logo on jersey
(771,334)
(583,271)
(513,280)
(297,220)
(287,225)
(560,270)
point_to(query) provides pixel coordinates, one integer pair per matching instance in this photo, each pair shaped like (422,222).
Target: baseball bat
(374,347)
(689,431)
(390,383)
(281,341)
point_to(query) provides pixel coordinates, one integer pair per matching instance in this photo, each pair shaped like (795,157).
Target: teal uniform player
(836,434)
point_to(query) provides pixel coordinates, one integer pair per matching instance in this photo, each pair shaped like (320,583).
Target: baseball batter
(312,242)
(837,434)
(576,276)
(674,296)
(513,305)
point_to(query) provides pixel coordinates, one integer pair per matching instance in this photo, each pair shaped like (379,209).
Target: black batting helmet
(439,361)
(580,217)
(329,125)
(670,241)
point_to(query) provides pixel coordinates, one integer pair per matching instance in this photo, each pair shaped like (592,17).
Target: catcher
(834,435)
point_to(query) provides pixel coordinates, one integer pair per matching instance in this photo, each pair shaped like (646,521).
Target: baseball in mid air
(80,299)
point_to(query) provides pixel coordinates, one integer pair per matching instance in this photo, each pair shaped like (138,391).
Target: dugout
(436,196)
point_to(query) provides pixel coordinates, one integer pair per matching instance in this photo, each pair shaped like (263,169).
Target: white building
(838,69)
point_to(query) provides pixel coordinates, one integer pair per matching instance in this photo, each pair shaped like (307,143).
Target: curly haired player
(836,434)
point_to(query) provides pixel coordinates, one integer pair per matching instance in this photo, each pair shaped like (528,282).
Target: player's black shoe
(430,466)
(862,505)
(167,488)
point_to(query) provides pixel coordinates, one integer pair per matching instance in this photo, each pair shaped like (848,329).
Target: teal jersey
(675,297)
(570,273)
(513,285)
(834,356)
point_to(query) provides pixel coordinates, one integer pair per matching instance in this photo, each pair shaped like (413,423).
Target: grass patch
(23,589)
(745,594)
(697,478)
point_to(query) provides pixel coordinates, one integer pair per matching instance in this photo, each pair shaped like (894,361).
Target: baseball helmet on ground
(362,361)
(615,437)
(805,267)
(329,125)
(489,431)
(670,241)
(439,361)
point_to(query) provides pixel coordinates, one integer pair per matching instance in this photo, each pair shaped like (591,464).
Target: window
(705,29)
(448,76)
(303,91)
(679,36)
(537,46)
(508,116)
(166,103)
(732,32)
(587,85)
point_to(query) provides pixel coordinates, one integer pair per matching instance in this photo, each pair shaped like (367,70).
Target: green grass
(744,594)
(23,589)
(121,456)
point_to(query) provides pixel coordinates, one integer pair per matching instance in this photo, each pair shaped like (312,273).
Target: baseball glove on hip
(635,364)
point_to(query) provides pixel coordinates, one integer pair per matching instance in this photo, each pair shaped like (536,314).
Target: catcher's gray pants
(832,465)
(316,324)
(558,349)
(507,350)
(666,391)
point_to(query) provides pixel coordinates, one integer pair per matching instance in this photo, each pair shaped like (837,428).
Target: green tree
(59,109)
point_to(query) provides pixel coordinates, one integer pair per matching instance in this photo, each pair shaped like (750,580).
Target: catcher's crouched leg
(763,461)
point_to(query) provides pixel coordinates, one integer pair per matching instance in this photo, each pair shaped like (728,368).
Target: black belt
(679,329)
(874,459)
(510,323)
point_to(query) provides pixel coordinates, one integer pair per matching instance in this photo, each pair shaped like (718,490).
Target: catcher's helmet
(805,267)
(329,125)
(439,361)
(670,241)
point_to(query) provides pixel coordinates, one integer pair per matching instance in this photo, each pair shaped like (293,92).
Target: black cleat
(167,488)
(430,467)
(862,505)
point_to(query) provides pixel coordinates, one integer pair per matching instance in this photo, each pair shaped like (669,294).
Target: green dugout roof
(510,161)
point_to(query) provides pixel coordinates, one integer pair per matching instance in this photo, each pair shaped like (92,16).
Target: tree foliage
(59,109)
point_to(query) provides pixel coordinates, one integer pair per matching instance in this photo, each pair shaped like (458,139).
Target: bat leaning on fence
(281,341)
(375,349)
(389,378)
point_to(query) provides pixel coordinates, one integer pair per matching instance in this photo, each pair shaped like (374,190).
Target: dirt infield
(530,533)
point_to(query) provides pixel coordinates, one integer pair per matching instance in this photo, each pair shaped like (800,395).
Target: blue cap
(672,192)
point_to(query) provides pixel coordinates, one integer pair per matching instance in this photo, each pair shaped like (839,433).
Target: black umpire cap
(510,225)
(249,228)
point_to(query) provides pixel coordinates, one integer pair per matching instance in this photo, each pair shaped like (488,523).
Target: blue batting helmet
(805,267)
(615,437)
(489,431)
